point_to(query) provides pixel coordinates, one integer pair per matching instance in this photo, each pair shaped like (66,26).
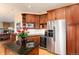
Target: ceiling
(9,10)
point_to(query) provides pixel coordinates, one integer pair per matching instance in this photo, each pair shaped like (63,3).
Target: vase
(23,42)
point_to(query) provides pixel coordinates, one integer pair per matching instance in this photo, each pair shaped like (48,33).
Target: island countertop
(19,51)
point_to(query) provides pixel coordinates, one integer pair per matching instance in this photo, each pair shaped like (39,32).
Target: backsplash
(36,31)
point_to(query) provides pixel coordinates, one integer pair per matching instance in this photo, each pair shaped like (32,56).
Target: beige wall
(18,18)
(1,25)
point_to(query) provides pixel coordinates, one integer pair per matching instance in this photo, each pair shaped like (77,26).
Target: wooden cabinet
(72,13)
(2,50)
(71,37)
(12,37)
(77,39)
(72,21)
(34,51)
(68,15)
(9,52)
(77,13)
(24,18)
(31,18)
(43,18)
(51,15)
(6,25)
(60,13)
(35,38)
(43,21)
(56,14)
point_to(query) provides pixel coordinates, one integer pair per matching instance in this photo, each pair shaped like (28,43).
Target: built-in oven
(43,42)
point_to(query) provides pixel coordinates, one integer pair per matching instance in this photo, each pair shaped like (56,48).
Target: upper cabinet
(56,14)
(51,15)
(43,21)
(77,13)
(60,13)
(72,14)
(31,18)
(43,18)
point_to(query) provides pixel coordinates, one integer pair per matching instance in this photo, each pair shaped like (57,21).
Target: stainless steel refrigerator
(56,36)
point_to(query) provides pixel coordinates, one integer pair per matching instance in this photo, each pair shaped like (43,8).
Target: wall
(1,25)
(17,19)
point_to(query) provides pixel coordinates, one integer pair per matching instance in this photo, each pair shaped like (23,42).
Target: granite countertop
(17,50)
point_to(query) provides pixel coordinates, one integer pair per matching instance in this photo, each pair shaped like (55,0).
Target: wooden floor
(44,52)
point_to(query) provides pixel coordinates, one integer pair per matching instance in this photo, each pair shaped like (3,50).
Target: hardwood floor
(44,52)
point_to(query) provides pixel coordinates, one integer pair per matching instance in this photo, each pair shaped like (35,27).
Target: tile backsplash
(36,31)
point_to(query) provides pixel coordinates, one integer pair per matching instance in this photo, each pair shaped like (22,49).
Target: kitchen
(54,31)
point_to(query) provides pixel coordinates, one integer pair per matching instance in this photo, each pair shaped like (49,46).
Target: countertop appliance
(56,36)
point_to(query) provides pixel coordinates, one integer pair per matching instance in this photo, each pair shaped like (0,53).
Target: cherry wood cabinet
(56,14)
(2,49)
(35,38)
(77,13)
(43,18)
(34,51)
(60,13)
(71,39)
(77,39)
(43,21)
(51,15)
(72,14)
(72,21)
(31,18)
(9,52)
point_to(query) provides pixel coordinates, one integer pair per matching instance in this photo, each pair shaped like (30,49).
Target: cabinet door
(71,14)
(68,15)
(2,50)
(77,40)
(71,37)
(43,19)
(24,18)
(29,18)
(36,21)
(9,52)
(51,15)
(60,13)
(77,13)
(34,51)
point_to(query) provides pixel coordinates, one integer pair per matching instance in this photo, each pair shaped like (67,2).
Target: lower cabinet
(34,51)
(2,50)
(73,39)
(71,33)
(77,39)
(9,52)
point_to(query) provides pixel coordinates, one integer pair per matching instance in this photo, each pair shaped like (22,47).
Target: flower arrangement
(22,35)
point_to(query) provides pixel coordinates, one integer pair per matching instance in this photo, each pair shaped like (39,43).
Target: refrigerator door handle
(54,34)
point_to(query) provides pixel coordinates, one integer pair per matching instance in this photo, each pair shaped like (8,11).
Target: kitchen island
(10,47)
(14,49)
